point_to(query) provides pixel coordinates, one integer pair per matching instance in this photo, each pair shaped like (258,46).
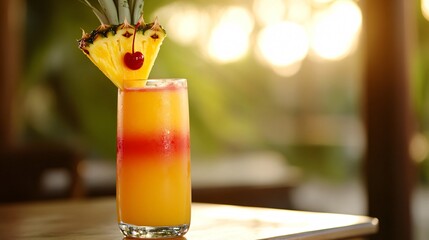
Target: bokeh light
(419,147)
(321,2)
(185,22)
(230,38)
(282,32)
(335,31)
(425,8)
(299,11)
(283,44)
(289,70)
(269,11)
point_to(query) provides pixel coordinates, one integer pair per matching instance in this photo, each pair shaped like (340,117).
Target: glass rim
(153,83)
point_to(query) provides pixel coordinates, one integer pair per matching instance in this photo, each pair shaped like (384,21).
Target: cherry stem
(135,33)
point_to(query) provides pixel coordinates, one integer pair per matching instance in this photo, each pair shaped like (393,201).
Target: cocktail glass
(153,183)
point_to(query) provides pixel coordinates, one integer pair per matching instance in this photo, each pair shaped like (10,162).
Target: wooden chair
(23,169)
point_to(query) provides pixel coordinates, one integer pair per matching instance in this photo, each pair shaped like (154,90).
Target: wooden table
(96,219)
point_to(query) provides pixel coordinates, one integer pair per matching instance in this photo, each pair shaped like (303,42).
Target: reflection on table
(96,219)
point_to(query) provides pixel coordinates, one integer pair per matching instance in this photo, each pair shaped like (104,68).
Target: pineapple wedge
(123,51)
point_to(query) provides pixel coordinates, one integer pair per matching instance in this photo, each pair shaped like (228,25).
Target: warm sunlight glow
(336,30)
(184,22)
(229,40)
(289,70)
(299,11)
(321,2)
(283,44)
(282,32)
(269,11)
(425,8)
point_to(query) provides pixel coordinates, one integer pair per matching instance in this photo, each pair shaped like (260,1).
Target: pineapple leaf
(131,6)
(114,12)
(101,16)
(137,10)
(109,9)
(124,11)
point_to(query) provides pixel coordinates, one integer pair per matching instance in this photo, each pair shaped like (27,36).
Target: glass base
(134,231)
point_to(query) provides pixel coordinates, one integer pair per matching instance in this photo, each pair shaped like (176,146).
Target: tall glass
(153,183)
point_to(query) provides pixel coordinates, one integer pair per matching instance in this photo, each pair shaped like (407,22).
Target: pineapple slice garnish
(123,50)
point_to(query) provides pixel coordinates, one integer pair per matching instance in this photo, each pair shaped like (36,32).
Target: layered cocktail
(153,158)
(153,149)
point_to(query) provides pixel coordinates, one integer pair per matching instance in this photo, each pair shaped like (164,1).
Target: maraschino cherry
(134,60)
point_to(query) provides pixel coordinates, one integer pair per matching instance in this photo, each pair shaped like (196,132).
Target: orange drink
(153,187)
(153,182)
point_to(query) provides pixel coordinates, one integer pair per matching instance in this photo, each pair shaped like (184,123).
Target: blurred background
(275,90)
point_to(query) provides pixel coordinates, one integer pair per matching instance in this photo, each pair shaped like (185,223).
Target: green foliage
(237,107)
